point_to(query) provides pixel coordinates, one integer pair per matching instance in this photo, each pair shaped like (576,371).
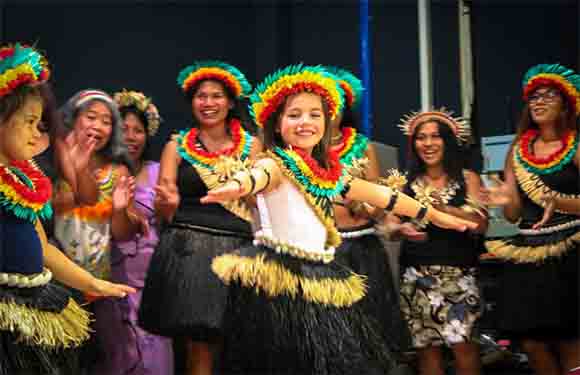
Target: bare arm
(571,206)
(167,193)
(513,210)
(380,196)
(67,272)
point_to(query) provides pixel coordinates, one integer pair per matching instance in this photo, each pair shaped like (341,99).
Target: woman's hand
(166,197)
(81,149)
(447,221)
(498,195)
(231,190)
(549,203)
(100,288)
(123,192)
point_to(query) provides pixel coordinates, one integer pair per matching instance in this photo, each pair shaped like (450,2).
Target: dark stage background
(142,45)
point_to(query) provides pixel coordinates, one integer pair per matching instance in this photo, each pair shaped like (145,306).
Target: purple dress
(128,348)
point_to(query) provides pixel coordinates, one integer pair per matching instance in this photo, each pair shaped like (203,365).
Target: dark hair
(350,118)
(273,138)
(132,109)
(115,150)
(452,159)
(239,110)
(12,102)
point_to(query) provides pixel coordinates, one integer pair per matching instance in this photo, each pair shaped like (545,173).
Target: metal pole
(365,68)
(465,59)
(426,74)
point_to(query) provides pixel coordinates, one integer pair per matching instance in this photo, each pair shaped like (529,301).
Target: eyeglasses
(547,96)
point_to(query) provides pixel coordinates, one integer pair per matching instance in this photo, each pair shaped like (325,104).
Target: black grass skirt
(275,322)
(182,297)
(366,255)
(40,330)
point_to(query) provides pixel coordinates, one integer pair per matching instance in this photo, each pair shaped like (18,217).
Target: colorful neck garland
(25,191)
(319,185)
(352,147)
(550,164)
(191,150)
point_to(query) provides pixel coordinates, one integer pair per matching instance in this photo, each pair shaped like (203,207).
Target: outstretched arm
(402,204)
(263,176)
(67,272)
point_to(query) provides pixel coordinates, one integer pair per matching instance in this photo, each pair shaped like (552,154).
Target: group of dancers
(257,238)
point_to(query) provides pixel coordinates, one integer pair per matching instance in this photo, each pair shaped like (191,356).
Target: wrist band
(234,179)
(253,181)
(392,200)
(421,214)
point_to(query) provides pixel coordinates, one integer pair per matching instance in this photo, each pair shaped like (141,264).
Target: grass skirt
(40,329)
(290,316)
(366,256)
(182,296)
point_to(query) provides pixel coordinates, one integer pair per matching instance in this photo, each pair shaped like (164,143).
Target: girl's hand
(447,221)
(230,191)
(498,195)
(550,206)
(101,288)
(412,233)
(166,196)
(123,192)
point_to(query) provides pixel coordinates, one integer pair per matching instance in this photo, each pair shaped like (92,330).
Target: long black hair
(452,157)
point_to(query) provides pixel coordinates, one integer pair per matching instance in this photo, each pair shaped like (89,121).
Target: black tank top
(192,212)
(566,181)
(443,247)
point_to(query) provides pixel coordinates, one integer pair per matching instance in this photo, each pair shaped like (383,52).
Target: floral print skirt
(441,304)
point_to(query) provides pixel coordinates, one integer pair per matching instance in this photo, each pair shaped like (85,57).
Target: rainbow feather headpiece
(554,75)
(294,79)
(350,84)
(458,125)
(21,65)
(143,104)
(217,70)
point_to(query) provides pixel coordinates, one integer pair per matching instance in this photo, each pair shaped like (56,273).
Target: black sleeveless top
(20,247)
(192,212)
(443,247)
(565,181)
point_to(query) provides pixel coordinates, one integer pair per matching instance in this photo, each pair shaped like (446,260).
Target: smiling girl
(39,322)
(292,309)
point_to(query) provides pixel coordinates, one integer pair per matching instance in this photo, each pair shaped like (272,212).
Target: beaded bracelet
(421,214)
(392,201)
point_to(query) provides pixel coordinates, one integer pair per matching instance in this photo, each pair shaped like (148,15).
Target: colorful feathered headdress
(350,84)
(143,104)
(557,76)
(21,65)
(458,125)
(291,80)
(234,79)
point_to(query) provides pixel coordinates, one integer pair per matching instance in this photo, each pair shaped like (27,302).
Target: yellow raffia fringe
(535,188)
(531,254)
(274,280)
(65,329)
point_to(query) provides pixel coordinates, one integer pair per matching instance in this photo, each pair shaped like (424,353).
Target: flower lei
(190,149)
(550,164)
(319,185)
(352,147)
(25,191)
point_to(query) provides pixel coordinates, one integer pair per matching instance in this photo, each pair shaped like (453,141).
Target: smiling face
(302,122)
(97,121)
(546,105)
(211,104)
(20,136)
(429,144)
(134,136)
